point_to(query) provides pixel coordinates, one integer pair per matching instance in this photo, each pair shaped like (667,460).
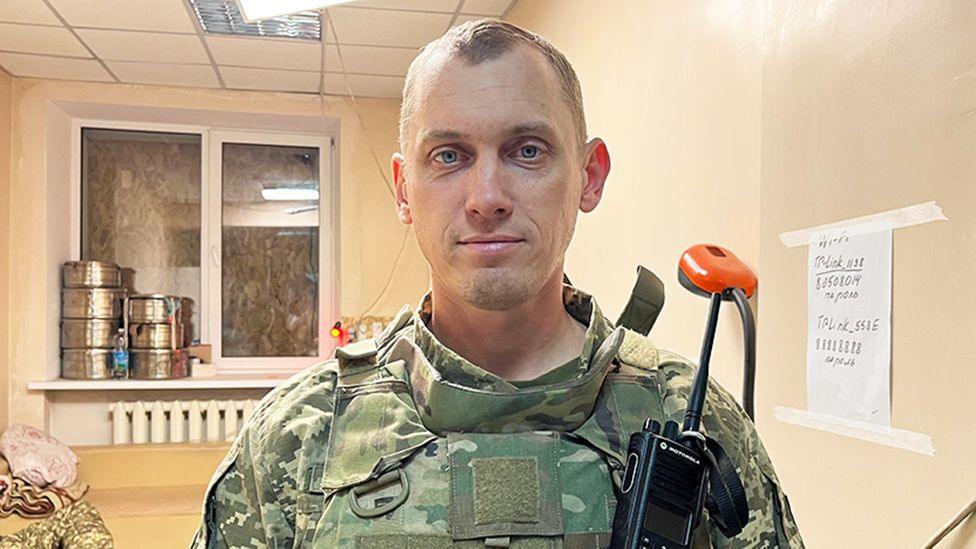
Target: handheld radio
(673,473)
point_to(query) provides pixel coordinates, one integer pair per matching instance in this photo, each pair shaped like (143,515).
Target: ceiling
(160,42)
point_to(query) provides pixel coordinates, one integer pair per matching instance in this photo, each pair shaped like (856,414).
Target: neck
(517,344)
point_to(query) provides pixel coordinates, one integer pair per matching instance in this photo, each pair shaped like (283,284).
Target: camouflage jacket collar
(454,395)
(456,369)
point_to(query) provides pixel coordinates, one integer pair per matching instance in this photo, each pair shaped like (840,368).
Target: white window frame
(77,126)
(328,201)
(211,140)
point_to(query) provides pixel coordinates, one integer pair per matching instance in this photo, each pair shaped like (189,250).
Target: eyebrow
(438,135)
(530,127)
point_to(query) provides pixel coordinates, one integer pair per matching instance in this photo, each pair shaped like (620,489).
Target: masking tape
(878,434)
(894,219)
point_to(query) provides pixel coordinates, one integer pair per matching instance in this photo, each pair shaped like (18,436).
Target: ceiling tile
(27,11)
(144,46)
(158,15)
(364,85)
(266,52)
(386,28)
(39,66)
(485,7)
(35,39)
(445,6)
(369,59)
(174,74)
(266,79)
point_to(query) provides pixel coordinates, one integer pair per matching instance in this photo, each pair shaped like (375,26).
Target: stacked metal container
(157,329)
(91,315)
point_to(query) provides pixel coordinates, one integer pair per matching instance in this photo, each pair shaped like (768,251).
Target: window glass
(140,196)
(270,251)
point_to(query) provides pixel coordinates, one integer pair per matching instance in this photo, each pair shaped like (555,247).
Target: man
(498,413)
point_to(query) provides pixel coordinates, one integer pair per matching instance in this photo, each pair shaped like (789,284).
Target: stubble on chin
(496,289)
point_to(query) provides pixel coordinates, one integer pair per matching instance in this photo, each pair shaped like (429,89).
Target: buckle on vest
(375,484)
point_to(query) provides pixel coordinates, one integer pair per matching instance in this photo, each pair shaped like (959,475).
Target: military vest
(415,461)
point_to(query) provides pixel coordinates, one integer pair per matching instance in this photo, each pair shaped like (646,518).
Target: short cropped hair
(486,39)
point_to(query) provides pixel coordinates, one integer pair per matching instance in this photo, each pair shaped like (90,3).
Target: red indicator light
(340,334)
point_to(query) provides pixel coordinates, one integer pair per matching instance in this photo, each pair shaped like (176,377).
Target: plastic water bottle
(120,356)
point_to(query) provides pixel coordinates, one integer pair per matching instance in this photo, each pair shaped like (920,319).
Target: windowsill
(225,381)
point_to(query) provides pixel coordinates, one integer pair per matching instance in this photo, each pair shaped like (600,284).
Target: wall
(367,215)
(734,121)
(6,83)
(729,122)
(674,89)
(869,107)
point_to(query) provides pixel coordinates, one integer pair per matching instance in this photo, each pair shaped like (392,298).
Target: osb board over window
(270,264)
(141,207)
(269,291)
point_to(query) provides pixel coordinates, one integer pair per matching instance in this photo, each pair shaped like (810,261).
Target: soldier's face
(492,177)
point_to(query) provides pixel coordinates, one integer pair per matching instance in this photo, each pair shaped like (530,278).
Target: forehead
(517,88)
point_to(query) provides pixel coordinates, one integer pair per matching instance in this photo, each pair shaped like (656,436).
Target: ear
(597,167)
(400,190)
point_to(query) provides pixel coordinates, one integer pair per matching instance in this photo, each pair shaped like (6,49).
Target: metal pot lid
(93,263)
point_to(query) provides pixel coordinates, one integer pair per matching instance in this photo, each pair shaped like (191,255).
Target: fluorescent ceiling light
(255,10)
(225,17)
(293,194)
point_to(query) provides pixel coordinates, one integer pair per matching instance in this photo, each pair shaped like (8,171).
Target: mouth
(490,244)
(490,239)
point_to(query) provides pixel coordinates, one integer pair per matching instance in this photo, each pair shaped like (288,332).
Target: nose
(487,197)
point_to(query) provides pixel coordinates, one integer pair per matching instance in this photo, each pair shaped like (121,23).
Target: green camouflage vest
(400,443)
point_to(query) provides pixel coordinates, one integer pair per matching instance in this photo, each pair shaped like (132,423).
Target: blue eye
(529,151)
(448,157)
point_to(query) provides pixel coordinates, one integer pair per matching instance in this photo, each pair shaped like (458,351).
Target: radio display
(667,523)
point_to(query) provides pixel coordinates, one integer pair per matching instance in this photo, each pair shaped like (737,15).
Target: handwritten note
(849,333)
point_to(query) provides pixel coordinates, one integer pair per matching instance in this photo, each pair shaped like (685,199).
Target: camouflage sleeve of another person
(771,523)
(77,526)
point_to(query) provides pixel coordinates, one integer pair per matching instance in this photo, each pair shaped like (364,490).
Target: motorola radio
(673,473)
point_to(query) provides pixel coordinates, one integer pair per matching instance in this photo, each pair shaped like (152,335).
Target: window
(140,207)
(232,220)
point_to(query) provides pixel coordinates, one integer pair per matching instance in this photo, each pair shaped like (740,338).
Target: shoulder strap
(727,503)
(645,304)
(356,359)
(360,351)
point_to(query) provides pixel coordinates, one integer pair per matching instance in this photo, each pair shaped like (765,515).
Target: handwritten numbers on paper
(849,312)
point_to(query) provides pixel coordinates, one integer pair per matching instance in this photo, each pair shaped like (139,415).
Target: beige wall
(734,121)
(869,107)
(5,87)
(674,90)
(728,122)
(367,215)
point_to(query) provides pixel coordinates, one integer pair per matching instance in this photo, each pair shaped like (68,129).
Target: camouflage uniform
(401,443)
(76,526)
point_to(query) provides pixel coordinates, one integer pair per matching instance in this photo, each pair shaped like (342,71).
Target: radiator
(178,421)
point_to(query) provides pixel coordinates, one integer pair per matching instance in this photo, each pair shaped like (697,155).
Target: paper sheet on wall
(849,334)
